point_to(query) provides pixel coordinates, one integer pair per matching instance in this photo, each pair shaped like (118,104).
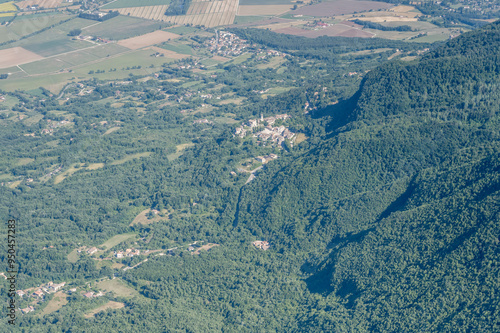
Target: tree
(75,32)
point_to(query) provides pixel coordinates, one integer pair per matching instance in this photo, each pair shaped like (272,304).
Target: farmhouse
(92,250)
(55,287)
(90,294)
(263,245)
(28,309)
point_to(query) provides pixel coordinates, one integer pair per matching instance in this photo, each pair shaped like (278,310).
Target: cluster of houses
(89,250)
(53,125)
(127,253)
(270,53)
(39,292)
(263,245)
(275,134)
(192,94)
(93,39)
(202,121)
(56,171)
(226,44)
(191,66)
(267,158)
(316,25)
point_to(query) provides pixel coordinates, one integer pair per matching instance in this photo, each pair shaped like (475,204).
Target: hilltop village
(263,130)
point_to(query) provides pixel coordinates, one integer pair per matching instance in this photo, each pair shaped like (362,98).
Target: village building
(28,309)
(263,245)
(56,287)
(90,294)
(92,250)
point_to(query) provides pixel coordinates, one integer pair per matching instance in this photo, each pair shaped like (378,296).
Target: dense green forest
(384,219)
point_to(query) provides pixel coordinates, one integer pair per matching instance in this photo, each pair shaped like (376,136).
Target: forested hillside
(398,210)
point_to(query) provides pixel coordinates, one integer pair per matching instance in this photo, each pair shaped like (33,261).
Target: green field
(115,240)
(241,58)
(106,50)
(45,66)
(118,287)
(130,158)
(26,24)
(59,300)
(177,47)
(56,81)
(134,3)
(248,19)
(122,27)
(51,82)
(73,256)
(51,42)
(182,30)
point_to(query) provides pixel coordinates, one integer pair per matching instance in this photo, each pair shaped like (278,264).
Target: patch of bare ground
(205,247)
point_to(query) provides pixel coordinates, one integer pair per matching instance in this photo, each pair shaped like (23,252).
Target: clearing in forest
(109,305)
(205,247)
(117,239)
(118,287)
(141,218)
(179,149)
(73,256)
(57,302)
(131,157)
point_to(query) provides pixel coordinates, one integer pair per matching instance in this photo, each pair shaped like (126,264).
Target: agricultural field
(177,47)
(340,7)
(27,24)
(256,10)
(200,13)
(8,7)
(121,27)
(341,30)
(182,30)
(17,56)
(149,39)
(156,13)
(41,3)
(134,3)
(266,2)
(52,41)
(242,20)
